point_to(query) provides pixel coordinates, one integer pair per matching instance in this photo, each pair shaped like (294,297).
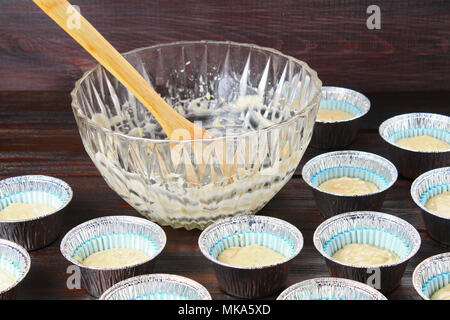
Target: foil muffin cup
(372,228)
(330,289)
(272,233)
(34,233)
(431,275)
(412,163)
(426,186)
(15,260)
(354,164)
(157,287)
(340,133)
(109,233)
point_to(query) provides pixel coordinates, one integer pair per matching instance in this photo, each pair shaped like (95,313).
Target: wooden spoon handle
(93,42)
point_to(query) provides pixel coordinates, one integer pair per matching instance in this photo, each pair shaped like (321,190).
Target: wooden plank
(409,53)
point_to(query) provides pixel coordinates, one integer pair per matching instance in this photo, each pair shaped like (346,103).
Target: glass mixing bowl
(259,104)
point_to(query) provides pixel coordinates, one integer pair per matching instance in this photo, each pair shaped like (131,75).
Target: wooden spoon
(93,42)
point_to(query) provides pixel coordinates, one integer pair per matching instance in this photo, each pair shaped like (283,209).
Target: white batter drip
(6,280)
(348,186)
(115,258)
(23,211)
(365,255)
(440,204)
(252,255)
(423,143)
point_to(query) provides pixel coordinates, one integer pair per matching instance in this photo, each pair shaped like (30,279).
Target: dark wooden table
(38,135)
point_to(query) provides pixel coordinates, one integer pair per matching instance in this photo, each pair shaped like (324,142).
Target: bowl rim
(25,254)
(59,182)
(292,228)
(403,116)
(118,218)
(357,93)
(385,161)
(424,176)
(325,280)
(422,265)
(417,241)
(166,277)
(301,113)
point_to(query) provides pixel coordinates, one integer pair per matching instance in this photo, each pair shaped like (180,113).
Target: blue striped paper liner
(331,104)
(242,239)
(41,197)
(435,283)
(433,191)
(351,172)
(414,132)
(115,241)
(371,236)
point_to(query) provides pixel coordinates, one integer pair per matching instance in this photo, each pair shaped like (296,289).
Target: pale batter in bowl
(440,204)
(365,255)
(22,211)
(423,143)
(114,258)
(250,256)
(348,186)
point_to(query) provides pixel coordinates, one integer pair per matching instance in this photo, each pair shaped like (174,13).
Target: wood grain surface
(43,139)
(409,53)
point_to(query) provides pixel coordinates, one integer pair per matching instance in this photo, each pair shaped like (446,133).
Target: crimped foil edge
(385,128)
(310,169)
(196,287)
(400,224)
(36,178)
(437,263)
(229,222)
(68,253)
(431,179)
(341,94)
(22,254)
(318,284)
